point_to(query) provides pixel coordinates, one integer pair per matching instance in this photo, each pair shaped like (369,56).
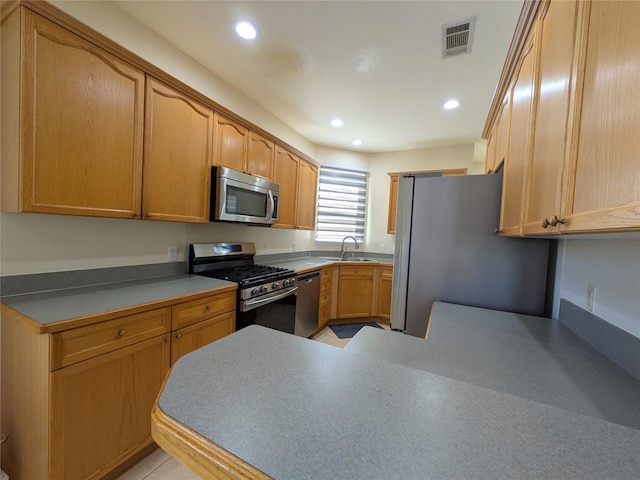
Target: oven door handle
(250,305)
(272,207)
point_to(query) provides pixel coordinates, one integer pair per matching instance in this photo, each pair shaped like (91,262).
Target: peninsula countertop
(296,409)
(51,310)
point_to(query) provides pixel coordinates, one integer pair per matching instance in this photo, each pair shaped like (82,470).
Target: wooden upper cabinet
(518,145)
(307,193)
(78,149)
(393,203)
(605,191)
(490,163)
(260,156)
(231,140)
(298,180)
(286,175)
(178,145)
(543,190)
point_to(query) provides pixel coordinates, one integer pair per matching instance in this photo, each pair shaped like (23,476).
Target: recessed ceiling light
(336,122)
(357,142)
(246,30)
(451,104)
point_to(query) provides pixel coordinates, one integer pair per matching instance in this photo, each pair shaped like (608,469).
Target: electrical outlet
(172,254)
(266,248)
(591,297)
(382,247)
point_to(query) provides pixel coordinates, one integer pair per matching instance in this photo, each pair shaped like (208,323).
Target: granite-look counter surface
(531,357)
(46,309)
(298,409)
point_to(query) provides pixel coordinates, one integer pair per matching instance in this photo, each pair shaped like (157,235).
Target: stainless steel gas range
(266,294)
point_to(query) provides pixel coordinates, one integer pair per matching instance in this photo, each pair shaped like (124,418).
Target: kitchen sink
(347,259)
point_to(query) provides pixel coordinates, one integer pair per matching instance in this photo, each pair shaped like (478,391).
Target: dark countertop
(51,307)
(530,357)
(298,409)
(306,264)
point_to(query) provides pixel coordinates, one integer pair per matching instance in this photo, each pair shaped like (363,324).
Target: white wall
(613,267)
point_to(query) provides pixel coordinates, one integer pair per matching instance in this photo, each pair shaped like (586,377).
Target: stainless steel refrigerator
(447,250)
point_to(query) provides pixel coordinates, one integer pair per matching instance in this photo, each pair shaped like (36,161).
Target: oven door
(277,311)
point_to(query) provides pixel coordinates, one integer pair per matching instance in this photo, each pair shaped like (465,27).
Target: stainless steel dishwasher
(307,303)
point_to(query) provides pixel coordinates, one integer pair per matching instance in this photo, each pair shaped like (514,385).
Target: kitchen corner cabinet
(178,144)
(241,149)
(72,123)
(298,180)
(518,144)
(355,291)
(326,287)
(384,291)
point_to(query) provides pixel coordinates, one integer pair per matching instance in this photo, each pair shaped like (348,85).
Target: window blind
(342,198)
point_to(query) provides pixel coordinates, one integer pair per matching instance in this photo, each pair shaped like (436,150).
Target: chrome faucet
(343,249)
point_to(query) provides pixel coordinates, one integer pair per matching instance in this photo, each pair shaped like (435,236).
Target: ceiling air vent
(457,37)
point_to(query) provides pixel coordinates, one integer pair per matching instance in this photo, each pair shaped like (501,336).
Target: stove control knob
(293,282)
(255,291)
(275,285)
(286,283)
(263,289)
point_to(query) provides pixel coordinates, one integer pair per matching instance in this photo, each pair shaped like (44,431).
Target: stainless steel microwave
(238,197)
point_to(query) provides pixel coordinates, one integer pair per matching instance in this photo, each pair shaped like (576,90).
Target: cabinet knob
(555,220)
(166,340)
(208,307)
(178,335)
(545,223)
(122,333)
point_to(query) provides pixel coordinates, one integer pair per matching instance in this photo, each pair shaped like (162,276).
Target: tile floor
(161,466)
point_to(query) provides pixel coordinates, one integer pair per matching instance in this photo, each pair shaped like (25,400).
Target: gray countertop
(59,305)
(304,264)
(298,409)
(530,357)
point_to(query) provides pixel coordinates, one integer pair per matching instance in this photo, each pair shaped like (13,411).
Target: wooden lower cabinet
(355,291)
(100,409)
(326,285)
(384,292)
(191,338)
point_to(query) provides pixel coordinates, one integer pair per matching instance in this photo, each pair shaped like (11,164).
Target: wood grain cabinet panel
(393,203)
(604,182)
(307,193)
(188,339)
(326,286)
(518,148)
(178,145)
(81,113)
(101,409)
(544,184)
(77,344)
(286,175)
(355,291)
(230,140)
(194,311)
(384,292)
(260,156)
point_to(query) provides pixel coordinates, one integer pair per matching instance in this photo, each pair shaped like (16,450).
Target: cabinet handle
(555,220)
(178,335)
(166,340)
(122,333)
(208,307)
(545,223)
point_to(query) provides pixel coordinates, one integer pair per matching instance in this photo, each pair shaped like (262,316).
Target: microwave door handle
(272,206)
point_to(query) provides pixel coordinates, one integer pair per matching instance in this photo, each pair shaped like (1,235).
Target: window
(342,198)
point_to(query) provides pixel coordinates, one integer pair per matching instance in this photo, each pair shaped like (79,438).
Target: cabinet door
(384,292)
(307,193)
(230,143)
(260,156)
(82,124)
(191,338)
(355,291)
(556,31)
(605,191)
(102,408)
(490,163)
(393,203)
(286,175)
(502,132)
(518,143)
(178,145)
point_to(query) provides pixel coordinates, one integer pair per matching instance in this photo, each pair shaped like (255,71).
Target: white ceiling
(376,64)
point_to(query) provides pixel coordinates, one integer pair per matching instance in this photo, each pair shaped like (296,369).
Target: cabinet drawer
(386,272)
(325,286)
(82,343)
(324,315)
(357,271)
(188,313)
(191,338)
(325,298)
(325,274)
